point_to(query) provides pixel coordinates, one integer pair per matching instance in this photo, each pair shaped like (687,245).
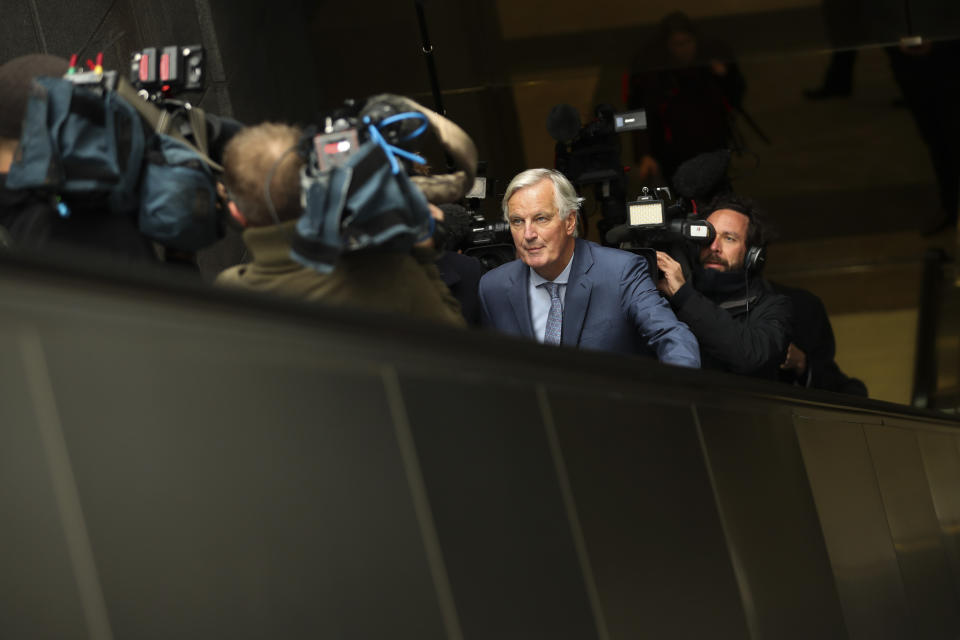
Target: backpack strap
(198,123)
(161,121)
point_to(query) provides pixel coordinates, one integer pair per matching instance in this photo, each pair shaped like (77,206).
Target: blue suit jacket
(611,304)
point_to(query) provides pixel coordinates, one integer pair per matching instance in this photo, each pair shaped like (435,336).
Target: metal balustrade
(182,462)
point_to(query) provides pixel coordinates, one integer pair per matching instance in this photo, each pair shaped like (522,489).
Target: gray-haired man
(565,290)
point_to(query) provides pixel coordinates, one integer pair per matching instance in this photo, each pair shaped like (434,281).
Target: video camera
(492,243)
(162,75)
(358,187)
(164,71)
(654,220)
(91,139)
(473,233)
(467,230)
(590,154)
(659,222)
(352,124)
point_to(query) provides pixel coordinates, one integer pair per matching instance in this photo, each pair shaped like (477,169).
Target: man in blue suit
(565,290)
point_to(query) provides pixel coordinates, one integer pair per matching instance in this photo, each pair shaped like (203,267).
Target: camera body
(589,156)
(655,219)
(346,128)
(655,222)
(490,242)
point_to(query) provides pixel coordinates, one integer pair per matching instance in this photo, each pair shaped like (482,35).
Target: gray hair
(565,198)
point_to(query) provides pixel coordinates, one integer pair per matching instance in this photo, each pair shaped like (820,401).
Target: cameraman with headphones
(741,324)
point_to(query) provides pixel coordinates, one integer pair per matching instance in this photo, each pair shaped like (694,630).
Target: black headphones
(756,255)
(755,258)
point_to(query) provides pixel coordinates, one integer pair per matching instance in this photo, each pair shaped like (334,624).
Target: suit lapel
(519,300)
(577,298)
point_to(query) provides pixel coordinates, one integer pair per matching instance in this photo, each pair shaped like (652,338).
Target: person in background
(690,87)
(810,360)
(742,325)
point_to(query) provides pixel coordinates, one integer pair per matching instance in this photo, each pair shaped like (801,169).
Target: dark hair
(759,233)
(16,80)
(676,22)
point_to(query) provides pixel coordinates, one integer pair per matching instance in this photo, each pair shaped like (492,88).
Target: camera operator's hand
(437,214)
(718,68)
(796,360)
(672,278)
(648,168)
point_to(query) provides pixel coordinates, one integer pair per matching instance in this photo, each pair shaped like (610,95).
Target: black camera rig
(589,155)
(166,71)
(656,222)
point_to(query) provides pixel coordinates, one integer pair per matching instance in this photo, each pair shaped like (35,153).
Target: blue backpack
(178,196)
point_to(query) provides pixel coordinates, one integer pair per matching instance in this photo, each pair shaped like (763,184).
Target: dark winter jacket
(738,332)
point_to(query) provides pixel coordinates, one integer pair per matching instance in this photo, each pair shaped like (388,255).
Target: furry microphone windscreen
(702,176)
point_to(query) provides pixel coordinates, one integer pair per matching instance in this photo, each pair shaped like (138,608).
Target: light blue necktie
(555,318)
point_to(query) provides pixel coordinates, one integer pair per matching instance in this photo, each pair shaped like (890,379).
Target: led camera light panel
(646,214)
(630,120)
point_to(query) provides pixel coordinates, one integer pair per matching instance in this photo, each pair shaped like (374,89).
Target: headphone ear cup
(755,259)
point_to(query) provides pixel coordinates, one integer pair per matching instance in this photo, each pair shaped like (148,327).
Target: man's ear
(8,151)
(570,223)
(237,215)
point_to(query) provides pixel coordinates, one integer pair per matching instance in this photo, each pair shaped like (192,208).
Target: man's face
(682,47)
(728,249)
(544,241)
